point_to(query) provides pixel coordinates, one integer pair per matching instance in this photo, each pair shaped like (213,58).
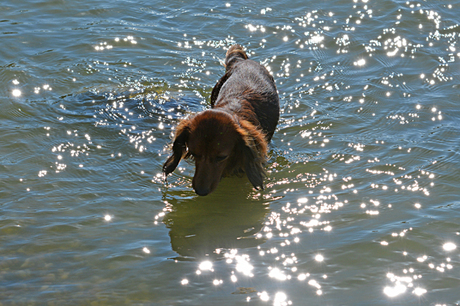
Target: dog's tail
(234,52)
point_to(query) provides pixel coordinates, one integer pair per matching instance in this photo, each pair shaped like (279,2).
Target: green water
(361,205)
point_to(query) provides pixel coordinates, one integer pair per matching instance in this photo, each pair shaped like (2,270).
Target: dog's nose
(202,191)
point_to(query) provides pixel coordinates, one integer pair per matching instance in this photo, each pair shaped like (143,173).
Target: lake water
(361,205)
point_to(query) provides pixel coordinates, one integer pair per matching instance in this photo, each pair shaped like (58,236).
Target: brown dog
(231,137)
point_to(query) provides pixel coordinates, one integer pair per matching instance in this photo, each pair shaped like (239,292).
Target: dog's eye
(221,158)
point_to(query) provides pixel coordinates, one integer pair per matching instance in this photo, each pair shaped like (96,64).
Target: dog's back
(248,89)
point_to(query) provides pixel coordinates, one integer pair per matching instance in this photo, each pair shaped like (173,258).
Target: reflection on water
(360,205)
(201,228)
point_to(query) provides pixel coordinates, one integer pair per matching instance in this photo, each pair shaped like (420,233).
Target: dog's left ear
(254,151)
(179,147)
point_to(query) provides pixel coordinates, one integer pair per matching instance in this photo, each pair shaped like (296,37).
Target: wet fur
(233,135)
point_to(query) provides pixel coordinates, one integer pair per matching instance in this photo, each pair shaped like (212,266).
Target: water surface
(361,203)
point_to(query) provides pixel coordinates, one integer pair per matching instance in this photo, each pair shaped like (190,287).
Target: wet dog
(231,137)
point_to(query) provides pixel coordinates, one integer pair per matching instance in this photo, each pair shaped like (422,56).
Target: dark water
(361,206)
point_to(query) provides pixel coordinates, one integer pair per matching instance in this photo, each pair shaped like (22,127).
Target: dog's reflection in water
(200,226)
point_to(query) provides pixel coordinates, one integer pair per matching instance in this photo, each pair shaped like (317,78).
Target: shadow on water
(201,226)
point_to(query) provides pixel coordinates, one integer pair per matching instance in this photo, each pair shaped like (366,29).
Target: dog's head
(220,144)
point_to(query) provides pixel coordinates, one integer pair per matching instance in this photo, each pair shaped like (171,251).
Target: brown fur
(233,136)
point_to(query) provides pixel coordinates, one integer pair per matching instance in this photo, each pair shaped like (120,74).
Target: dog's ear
(179,147)
(254,148)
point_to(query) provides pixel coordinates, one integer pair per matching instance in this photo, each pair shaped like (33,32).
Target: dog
(232,137)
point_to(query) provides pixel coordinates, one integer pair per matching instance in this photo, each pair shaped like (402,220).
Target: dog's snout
(202,191)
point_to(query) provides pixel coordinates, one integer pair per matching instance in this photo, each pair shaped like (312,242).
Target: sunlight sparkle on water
(184,282)
(395,291)
(319,258)
(402,283)
(107,218)
(277,274)
(302,200)
(422,258)
(449,246)
(314,283)
(205,266)
(316,39)
(419,291)
(146,250)
(280,299)
(303,276)
(264,296)
(243,266)
(16,93)
(360,62)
